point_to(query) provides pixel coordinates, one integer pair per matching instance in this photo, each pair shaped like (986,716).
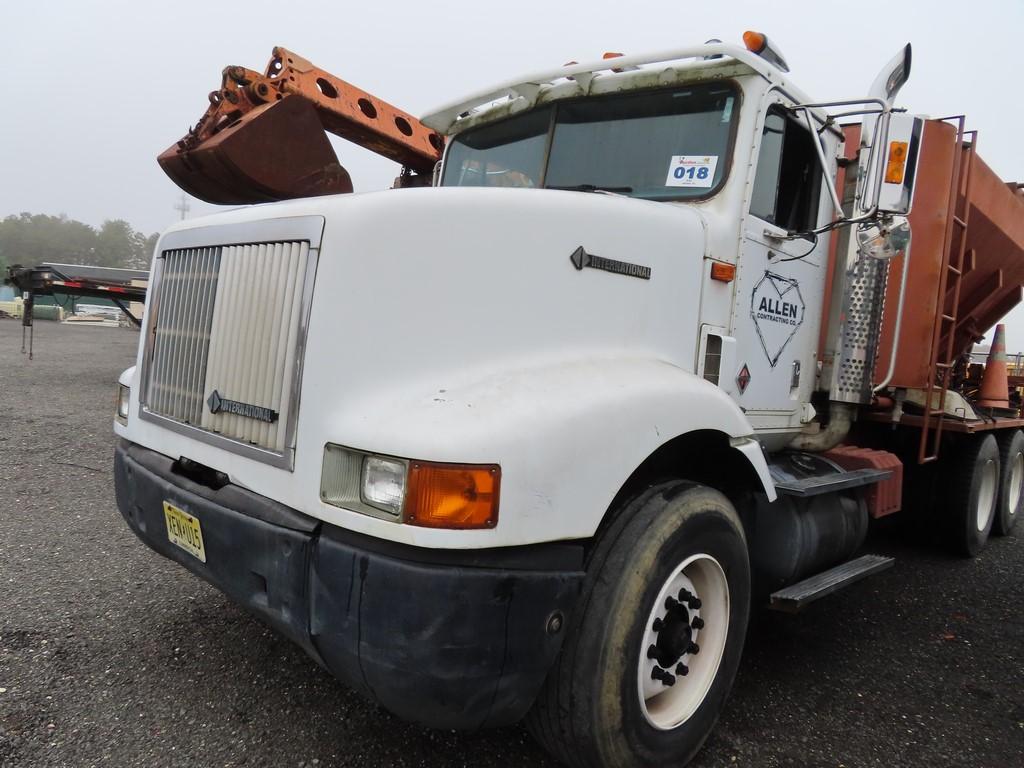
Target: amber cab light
(459,496)
(755,41)
(726,273)
(897,162)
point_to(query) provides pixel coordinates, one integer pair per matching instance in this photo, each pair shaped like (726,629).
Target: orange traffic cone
(995,390)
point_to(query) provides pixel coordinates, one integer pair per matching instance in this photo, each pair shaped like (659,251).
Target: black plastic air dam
(448,645)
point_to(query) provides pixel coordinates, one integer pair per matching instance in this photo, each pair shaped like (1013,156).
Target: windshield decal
(692,171)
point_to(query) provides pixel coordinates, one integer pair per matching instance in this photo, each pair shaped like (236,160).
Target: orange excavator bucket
(275,152)
(262,137)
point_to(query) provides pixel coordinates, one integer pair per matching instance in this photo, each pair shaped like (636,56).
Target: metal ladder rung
(959,221)
(949,318)
(953,269)
(943,365)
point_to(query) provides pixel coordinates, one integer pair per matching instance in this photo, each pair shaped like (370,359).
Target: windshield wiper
(592,188)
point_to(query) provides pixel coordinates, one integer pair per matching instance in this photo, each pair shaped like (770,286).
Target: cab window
(787,182)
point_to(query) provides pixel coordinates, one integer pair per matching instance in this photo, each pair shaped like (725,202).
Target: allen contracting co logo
(220,404)
(777,307)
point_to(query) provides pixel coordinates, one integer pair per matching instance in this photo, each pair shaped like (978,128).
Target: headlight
(373,485)
(383,483)
(124,395)
(432,495)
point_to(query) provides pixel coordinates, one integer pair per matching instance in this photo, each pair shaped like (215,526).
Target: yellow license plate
(185,531)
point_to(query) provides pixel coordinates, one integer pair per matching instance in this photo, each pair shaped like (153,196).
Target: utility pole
(183,206)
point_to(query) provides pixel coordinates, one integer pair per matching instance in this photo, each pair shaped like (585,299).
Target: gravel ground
(113,656)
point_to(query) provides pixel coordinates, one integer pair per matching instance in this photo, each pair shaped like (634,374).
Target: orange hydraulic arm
(262,137)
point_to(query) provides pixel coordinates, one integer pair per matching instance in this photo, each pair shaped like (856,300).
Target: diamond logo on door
(778,311)
(743,378)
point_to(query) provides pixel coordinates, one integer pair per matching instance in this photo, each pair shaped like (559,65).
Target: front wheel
(655,643)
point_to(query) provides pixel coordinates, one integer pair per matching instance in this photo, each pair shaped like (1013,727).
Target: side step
(796,596)
(840,481)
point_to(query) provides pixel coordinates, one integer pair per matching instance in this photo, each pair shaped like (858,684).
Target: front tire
(654,645)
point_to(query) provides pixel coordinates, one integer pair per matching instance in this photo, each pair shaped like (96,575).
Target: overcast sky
(95,90)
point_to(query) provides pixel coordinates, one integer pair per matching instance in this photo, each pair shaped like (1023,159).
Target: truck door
(780,279)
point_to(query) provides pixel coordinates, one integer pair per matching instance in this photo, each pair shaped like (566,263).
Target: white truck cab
(451,439)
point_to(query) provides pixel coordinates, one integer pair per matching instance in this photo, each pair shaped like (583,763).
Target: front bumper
(445,638)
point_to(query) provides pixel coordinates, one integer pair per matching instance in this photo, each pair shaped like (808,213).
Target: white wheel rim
(986,494)
(1016,481)
(668,706)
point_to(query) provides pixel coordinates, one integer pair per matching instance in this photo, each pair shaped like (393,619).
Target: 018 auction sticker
(692,171)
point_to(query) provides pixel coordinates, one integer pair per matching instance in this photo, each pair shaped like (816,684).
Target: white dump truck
(531,434)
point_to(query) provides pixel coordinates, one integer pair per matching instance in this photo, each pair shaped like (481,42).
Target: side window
(788,178)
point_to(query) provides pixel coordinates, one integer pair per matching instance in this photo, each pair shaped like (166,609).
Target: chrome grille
(230,318)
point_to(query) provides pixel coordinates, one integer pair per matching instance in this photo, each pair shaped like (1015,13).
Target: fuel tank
(794,537)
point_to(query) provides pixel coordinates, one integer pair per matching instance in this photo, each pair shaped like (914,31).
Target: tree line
(29,239)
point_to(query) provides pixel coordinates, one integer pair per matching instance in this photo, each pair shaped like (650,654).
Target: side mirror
(890,167)
(889,145)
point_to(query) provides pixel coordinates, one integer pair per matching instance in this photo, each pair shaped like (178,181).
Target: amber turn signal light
(897,162)
(726,273)
(459,496)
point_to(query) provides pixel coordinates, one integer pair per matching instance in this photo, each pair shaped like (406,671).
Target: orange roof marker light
(758,42)
(617,55)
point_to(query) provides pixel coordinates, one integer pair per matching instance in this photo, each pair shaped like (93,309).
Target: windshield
(666,144)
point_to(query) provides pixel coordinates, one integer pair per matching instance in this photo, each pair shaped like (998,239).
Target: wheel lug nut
(694,603)
(658,624)
(697,623)
(670,603)
(684,594)
(666,678)
(652,652)
(682,670)
(693,648)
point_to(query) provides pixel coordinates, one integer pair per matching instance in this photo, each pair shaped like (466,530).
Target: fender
(567,437)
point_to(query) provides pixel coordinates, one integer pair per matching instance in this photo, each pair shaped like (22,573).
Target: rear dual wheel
(1011,483)
(974,492)
(654,645)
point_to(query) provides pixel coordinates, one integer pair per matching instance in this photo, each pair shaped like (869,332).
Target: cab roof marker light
(618,55)
(712,56)
(758,42)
